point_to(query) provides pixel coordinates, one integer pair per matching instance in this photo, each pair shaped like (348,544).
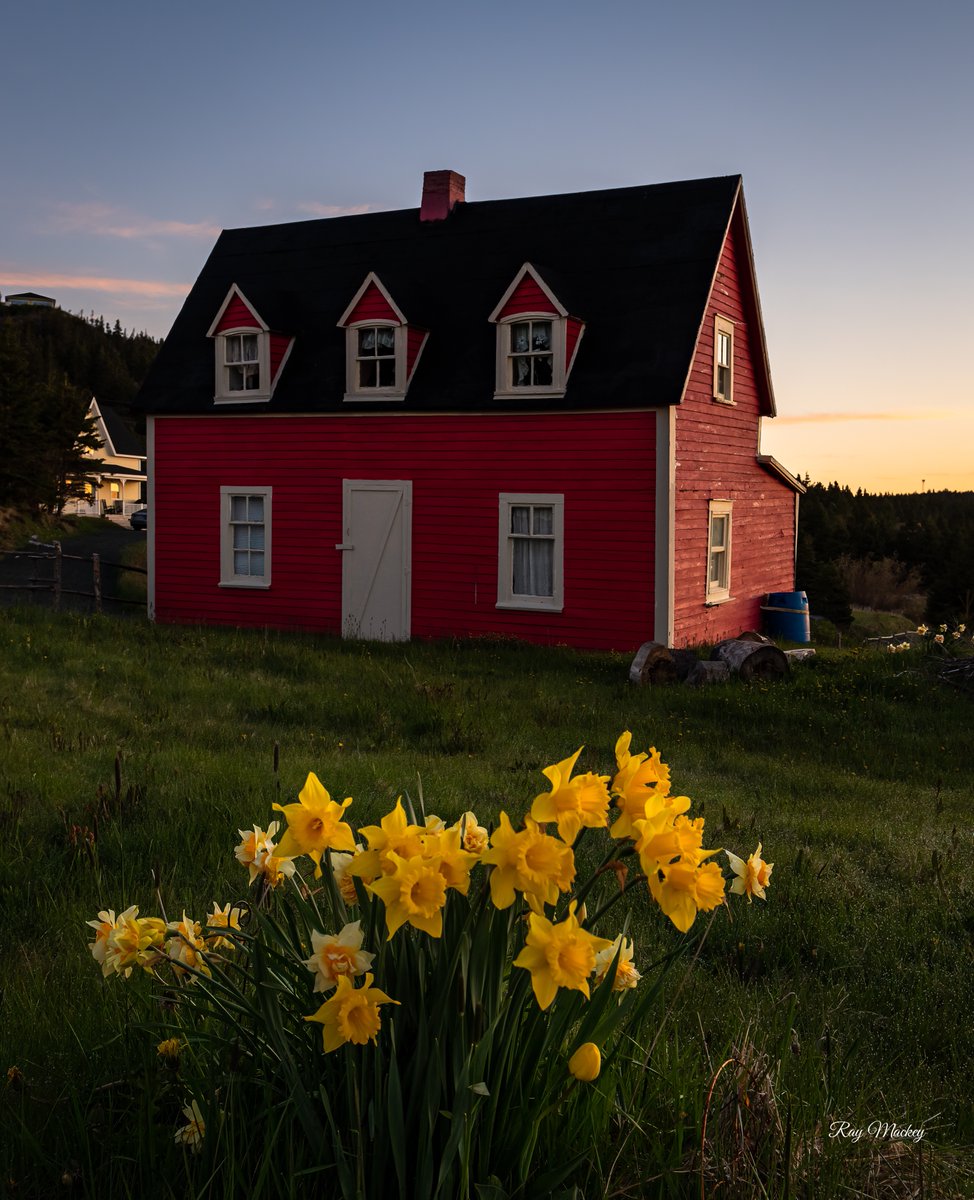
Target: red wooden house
(537,418)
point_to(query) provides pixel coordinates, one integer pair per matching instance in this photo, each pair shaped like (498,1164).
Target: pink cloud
(41,281)
(333,210)
(107,221)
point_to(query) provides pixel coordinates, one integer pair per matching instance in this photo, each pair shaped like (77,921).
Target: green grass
(851,985)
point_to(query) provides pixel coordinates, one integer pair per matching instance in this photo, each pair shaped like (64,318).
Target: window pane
(387,372)
(235,379)
(718,532)
(541,335)
(723,349)
(533,568)
(544,520)
(542,370)
(249,348)
(251,378)
(238,508)
(255,508)
(257,537)
(386,338)
(366,341)
(520,519)
(241,537)
(233,349)
(241,562)
(367,374)
(521,375)
(256,564)
(520,337)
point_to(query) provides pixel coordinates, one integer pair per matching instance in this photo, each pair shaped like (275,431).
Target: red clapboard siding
(414,343)
(458,466)
(237,316)
(372,306)
(279,345)
(716,449)
(527,297)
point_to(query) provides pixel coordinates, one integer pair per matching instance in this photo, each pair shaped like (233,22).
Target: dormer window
(249,357)
(723,360)
(536,339)
(381,347)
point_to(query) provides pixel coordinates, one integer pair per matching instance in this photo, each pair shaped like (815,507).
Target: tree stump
(751,660)
(708,672)
(653,664)
(684,661)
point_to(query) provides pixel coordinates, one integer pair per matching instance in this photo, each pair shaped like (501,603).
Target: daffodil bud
(586,1063)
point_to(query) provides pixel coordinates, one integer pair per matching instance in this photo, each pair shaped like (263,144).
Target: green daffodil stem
(586,887)
(630,883)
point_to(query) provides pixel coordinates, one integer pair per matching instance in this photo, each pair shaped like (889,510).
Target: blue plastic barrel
(786,616)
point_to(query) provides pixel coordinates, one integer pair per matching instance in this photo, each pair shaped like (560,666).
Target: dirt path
(76,576)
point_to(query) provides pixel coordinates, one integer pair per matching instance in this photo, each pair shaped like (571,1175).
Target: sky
(132,134)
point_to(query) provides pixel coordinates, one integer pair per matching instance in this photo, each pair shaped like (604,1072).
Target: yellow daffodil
(640,777)
(572,803)
(314,824)
(254,843)
(559,956)
(586,1063)
(132,942)
(474,837)
(227,917)
(186,947)
(351,1015)
(626,975)
(502,856)
(414,892)
(393,834)
(434,824)
(938,638)
(686,887)
(455,862)
(922,629)
(103,926)
(191,1134)
(170,1049)
(753,875)
(337,955)
(528,861)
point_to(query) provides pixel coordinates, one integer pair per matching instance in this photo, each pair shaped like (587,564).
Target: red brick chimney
(441,190)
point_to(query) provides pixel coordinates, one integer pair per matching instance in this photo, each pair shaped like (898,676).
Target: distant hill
(51,364)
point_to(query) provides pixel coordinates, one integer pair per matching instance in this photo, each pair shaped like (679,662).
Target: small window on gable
(381,348)
(530,567)
(723,360)
(719,551)
(241,359)
(245,537)
(536,339)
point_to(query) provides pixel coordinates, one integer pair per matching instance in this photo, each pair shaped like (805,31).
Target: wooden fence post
(96,580)
(57,576)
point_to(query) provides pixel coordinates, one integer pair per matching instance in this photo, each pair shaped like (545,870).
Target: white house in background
(119,484)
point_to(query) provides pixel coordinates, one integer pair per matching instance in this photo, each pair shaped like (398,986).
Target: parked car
(140,519)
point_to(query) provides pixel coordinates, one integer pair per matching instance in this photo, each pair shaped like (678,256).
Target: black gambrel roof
(635,264)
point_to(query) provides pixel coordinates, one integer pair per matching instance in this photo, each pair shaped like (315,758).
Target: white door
(376,553)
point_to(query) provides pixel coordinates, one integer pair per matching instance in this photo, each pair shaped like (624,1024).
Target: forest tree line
(51,365)
(910,553)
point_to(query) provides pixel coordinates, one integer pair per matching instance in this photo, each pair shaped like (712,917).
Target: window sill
(529,393)
(262,586)
(726,403)
(715,601)
(372,397)
(243,398)
(529,605)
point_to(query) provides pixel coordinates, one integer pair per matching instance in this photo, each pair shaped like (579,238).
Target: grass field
(848,994)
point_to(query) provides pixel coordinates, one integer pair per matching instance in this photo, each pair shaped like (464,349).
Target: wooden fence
(53,581)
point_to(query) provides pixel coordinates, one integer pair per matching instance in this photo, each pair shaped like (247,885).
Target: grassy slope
(856,775)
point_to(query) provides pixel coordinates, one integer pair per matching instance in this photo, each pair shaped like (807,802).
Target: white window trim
(227,577)
(723,325)
(505,389)
(352,389)
(223,394)
(506,597)
(720,593)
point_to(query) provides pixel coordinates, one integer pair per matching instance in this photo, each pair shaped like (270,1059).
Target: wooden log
(750,660)
(800,655)
(684,661)
(653,664)
(752,635)
(705,672)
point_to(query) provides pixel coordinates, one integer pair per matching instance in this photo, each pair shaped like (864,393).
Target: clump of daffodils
(438,895)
